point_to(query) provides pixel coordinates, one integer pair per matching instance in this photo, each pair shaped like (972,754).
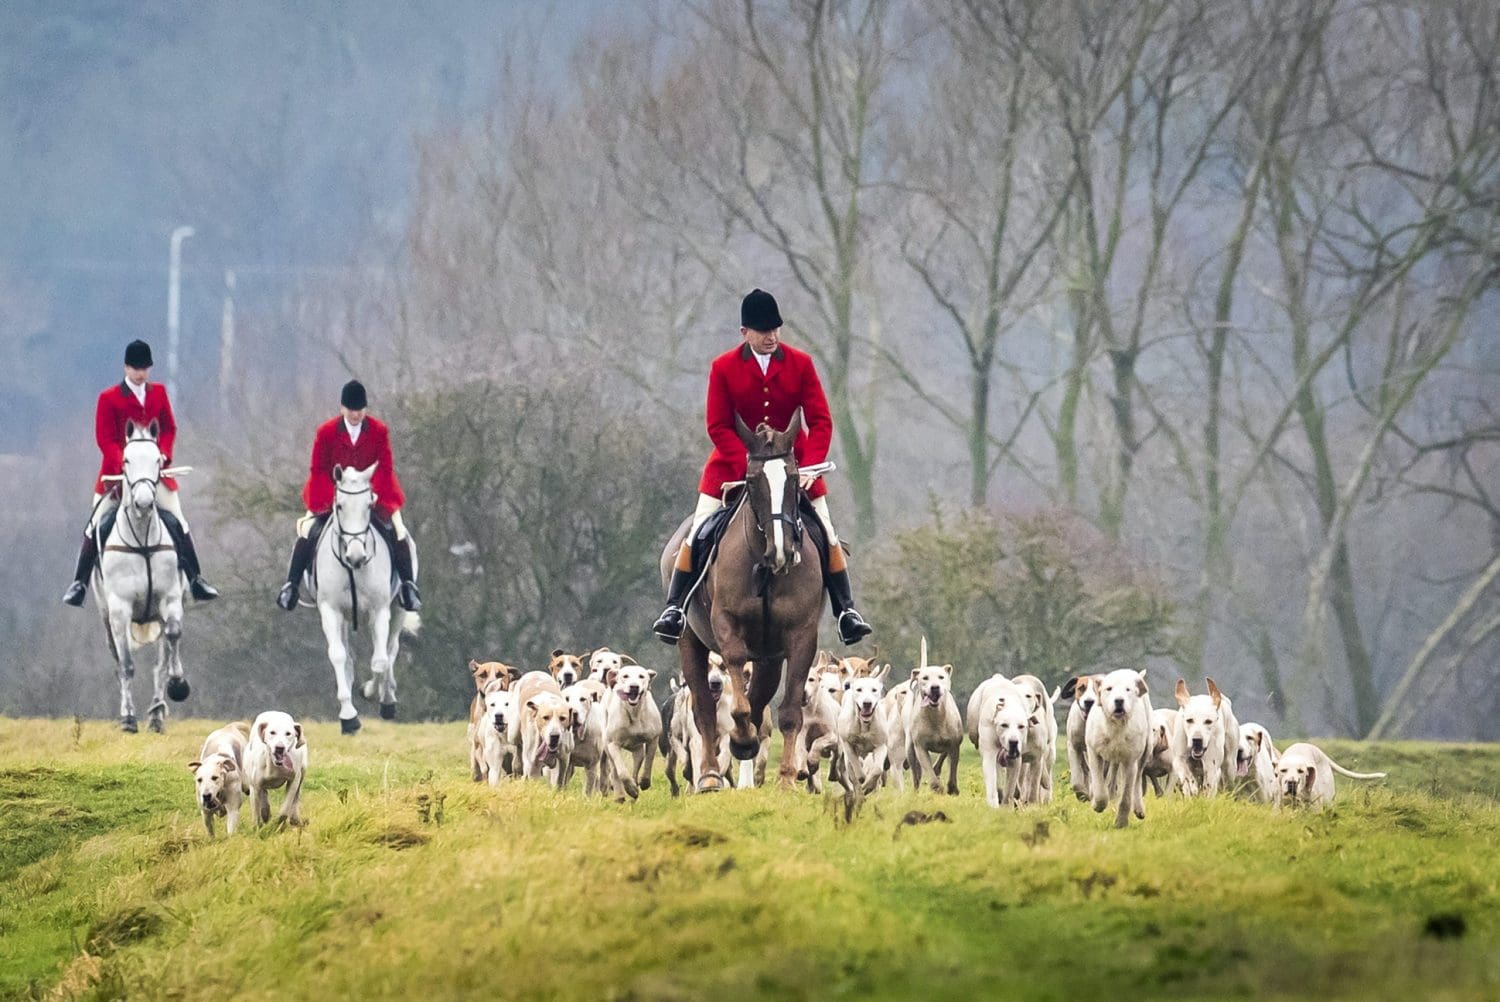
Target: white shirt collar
(139,392)
(763,360)
(353,429)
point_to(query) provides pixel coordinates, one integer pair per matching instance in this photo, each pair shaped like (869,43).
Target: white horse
(350,582)
(137,583)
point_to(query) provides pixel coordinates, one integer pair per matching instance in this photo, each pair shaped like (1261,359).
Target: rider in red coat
(763,381)
(136,399)
(354,440)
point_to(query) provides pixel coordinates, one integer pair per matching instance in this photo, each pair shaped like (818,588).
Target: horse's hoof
(710,784)
(349,726)
(157,723)
(178,689)
(127,724)
(744,751)
(387,711)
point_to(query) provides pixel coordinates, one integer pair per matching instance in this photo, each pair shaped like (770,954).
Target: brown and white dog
(1160,767)
(1304,775)
(565,668)
(546,737)
(1083,691)
(275,756)
(1118,741)
(219,775)
(485,673)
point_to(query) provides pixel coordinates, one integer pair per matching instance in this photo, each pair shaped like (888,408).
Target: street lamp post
(174,303)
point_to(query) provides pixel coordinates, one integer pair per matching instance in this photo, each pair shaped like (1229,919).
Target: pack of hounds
(594,712)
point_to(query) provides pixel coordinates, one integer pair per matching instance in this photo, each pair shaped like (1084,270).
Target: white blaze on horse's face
(142,469)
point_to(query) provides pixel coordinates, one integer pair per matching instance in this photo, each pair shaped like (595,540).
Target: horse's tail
(411,623)
(145,633)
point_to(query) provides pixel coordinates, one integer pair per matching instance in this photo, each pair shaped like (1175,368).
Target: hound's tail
(1354,775)
(923,662)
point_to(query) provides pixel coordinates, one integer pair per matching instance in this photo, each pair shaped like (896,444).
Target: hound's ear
(1070,687)
(1182,692)
(610,676)
(882,671)
(154,428)
(513,672)
(626,659)
(474,666)
(1311,774)
(1034,720)
(229,765)
(846,685)
(948,669)
(1140,683)
(650,674)
(193,766)
(260,731)
(914,673)
(1214,693)
(298,729)
(338,472)
(557,652)
(531,704)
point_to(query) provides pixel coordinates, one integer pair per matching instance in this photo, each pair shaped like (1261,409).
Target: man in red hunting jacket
(763,381)
(136,398)
(355,440)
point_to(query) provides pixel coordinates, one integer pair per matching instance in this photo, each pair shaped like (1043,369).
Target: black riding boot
(187,558)
(673,620)
(302,554)
(86,557)
(408,596)
(852,626)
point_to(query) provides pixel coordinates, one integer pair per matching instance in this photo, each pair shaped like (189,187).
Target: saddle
(706,542)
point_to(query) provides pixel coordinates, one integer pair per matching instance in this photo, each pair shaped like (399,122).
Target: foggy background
(1159,334)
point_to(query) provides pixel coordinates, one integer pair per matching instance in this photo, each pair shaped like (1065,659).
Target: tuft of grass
(409,880)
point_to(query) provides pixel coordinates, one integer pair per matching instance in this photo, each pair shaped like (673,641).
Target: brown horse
(760,601)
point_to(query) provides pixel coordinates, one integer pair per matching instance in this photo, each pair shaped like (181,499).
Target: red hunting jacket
(118,405)
(331,447)
(737,386)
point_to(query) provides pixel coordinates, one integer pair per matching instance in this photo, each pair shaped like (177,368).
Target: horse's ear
(129,429)
(743,431)
(154,428)
(788,435)
(338,472)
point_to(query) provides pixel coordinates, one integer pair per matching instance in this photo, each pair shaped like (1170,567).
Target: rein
(141,548)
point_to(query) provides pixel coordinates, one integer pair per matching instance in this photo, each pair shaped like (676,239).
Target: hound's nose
(1015,747)
(208,800)
(1197,744)
(1119,704)
(553,739)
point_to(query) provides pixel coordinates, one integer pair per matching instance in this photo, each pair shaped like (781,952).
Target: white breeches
(708,504)
(305,524)
(165,498)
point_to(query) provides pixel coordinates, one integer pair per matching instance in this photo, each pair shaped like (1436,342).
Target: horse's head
(352,506)
(142,466)
(771,490)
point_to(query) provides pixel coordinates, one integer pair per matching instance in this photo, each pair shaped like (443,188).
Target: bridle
(344,536)
(127,488)
(791,521)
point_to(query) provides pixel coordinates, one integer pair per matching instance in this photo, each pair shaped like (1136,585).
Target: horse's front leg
(338,657)
(177,686)
(156,713)
(695,673)
(800,655)
(380,662)
(119,628)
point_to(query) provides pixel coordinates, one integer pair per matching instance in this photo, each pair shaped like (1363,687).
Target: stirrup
(669,625)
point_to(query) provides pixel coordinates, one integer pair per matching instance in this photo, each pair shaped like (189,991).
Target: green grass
(410,881)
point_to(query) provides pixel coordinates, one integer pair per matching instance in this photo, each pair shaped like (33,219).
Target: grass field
(408,880)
